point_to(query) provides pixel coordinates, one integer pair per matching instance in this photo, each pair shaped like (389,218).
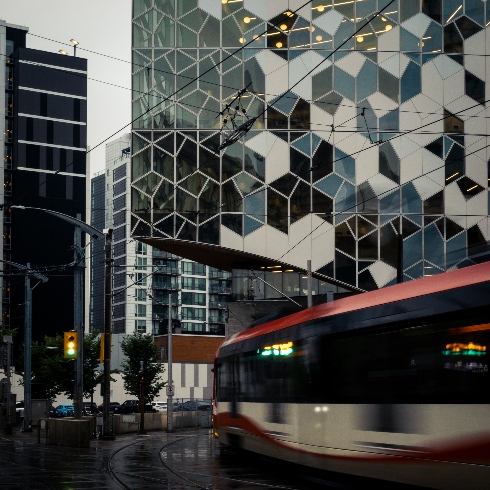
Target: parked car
(90,408)
(193,405)
(159,406)
(133,406)
(113,407)
(65,410)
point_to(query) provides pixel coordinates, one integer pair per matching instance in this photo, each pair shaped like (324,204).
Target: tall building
(145,278)
(351,134)
(43,133)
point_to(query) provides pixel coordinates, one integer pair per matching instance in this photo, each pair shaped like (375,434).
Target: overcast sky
(100,26)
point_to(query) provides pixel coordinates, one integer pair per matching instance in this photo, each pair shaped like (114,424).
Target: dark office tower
(44,167)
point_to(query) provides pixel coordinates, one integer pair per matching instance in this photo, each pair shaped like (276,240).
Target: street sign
(170,390)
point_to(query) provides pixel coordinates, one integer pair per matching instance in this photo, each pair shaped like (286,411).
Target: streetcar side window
(423,364)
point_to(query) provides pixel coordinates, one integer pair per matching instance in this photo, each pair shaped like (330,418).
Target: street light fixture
(75,44)
(62,51)
(107,234)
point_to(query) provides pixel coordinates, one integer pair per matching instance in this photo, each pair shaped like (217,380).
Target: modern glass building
(349,133)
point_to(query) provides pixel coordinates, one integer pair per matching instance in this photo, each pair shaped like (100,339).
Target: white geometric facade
(367,126)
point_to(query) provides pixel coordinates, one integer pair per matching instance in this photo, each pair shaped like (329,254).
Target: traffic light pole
(170,386)
(142,398)
(107,433)
(78,321)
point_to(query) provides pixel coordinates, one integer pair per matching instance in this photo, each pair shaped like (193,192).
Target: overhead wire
(401,133)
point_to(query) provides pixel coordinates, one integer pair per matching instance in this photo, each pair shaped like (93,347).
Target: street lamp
(78,311)
(75,44)
(63,52)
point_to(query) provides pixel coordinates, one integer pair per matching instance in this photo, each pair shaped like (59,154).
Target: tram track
(176,473)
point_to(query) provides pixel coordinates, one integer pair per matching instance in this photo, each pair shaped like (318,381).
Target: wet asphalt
(186,459)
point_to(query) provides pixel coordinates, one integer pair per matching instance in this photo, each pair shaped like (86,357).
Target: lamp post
(75,44)
(78,310)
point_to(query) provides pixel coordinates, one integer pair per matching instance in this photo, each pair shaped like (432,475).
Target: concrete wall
(157,421)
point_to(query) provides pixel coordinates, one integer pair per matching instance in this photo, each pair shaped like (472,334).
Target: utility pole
(309,284)
(106,418)
(142,398)
(27,426)
(8,340)
(170,386)
(78,321)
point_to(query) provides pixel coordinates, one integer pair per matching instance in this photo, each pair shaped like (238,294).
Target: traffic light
(70,345)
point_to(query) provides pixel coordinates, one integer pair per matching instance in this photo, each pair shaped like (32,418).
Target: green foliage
(52,374)
(92,374)
(6,331)
(136,348)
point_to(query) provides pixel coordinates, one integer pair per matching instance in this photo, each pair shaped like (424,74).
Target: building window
(140,326)
(141,248)
(140,310)
(141,279)
(193,314)
(140,295)
(194,283)
(193,268)
(141,263)
(198,299)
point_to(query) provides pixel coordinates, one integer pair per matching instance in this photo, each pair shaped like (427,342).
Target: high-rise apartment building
(43,135)
(351,134)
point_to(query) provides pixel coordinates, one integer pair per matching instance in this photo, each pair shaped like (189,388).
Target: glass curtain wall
(362,128)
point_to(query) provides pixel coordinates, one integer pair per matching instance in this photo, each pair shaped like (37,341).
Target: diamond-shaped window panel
(468,187)
(436,147)
(233,221)
(389,163)
(284,103)
(148,183)
(474,87)
(467,27)
(455,164)
(453,124)
(247,184)
(285,184)
(277,215)
(453,42)
(300,202)
(194,183)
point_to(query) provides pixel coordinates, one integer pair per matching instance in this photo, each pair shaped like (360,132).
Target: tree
(92,375)
(140,347)
(51,373)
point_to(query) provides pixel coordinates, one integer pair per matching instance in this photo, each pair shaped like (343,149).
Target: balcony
(220,275)
(167,286)
(165,255)
(219,290)
(168,271)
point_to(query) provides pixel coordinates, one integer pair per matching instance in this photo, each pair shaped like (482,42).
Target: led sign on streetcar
(470,349)
(277,350)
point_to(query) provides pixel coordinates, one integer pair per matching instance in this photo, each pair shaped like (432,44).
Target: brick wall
(191,348)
